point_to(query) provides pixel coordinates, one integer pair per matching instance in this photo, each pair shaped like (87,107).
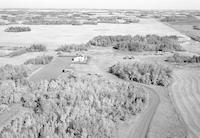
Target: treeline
(183,59)
(72,47)
(196,27)
(72,106)
(17,29)
(37,48)
(142,73)
(42,60)
(138,43)
(32,48)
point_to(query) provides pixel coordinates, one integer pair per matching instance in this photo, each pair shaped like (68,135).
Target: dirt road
(141,128)
(186,95)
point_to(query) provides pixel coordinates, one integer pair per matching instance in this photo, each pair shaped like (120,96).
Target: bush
(72,47)
(73,106)
(183,59)
(138,43)
(142,73)
(18,29)
(15,73)
(39,60)
(37,48)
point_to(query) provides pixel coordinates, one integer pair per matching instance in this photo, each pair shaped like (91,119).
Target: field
(52,70)
(56,35)
(187,27)
(185,91)
(22,58)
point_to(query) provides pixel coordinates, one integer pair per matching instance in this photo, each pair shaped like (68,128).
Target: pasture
(185,91)
(53,69)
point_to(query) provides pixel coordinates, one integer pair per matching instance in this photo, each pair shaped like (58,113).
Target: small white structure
(80,59)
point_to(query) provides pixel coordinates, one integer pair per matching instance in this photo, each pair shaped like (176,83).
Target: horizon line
(102,9)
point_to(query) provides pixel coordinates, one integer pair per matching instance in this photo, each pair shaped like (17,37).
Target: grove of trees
(72,47)
(196,27)
(138,43)
(177,58)
(17,29)
(39,60)
(142,73)
(71,107)
(14,73)
(37,48)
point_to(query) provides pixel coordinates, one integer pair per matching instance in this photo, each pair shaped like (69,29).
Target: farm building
(80,59)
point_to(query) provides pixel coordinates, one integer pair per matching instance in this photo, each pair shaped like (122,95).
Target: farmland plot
(55,35)
(186,94)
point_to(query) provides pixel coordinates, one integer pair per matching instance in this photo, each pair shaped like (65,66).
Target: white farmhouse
(79,59)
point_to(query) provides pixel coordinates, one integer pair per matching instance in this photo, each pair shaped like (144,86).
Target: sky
(105,4)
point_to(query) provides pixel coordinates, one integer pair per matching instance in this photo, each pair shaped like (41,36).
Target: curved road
(141,128)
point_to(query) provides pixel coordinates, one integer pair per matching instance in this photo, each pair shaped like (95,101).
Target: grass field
(22,58)
(186,27)
(52,70)
(185,91)
(55,35)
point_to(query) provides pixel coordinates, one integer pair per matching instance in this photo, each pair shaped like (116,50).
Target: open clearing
(53,69)
(55,35)
(186,94)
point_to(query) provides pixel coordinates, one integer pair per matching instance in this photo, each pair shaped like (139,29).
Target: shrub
(183,59)
(39,60)
(15,73)
(142,73)
(37,48)
(138,43)
(18,29)
(72,47)
(74,106)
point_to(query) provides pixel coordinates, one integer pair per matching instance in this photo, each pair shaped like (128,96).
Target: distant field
(55,35)
(22,58)
(186,27)
(53,69)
